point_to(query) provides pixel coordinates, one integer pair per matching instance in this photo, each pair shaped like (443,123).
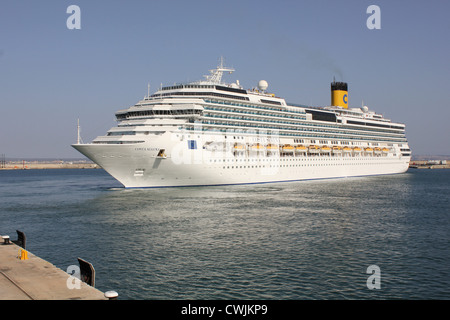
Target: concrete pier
(430,164)
(27,165)
(37,279)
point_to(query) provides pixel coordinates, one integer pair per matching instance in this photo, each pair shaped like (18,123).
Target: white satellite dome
(263,85)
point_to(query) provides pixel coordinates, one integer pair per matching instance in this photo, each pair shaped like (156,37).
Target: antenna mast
(79,140)
(216,74)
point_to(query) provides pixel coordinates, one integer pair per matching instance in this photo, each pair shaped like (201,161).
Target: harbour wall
(429,164)
(25,276)
(25,165)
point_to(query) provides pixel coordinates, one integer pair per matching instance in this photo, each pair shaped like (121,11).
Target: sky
(51,75)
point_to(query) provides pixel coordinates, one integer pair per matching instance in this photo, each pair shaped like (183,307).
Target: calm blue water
(304,240)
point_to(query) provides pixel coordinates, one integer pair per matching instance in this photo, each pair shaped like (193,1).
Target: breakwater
(29,165)
(429,164)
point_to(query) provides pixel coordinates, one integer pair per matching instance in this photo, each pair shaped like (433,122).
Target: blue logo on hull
(192,144)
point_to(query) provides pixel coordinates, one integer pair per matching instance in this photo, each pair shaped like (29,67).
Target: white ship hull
(212,133)
(140,165)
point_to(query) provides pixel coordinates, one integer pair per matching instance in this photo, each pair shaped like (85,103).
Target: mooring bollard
(111,295)
(6,240)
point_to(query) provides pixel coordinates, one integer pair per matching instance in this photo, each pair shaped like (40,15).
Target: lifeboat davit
(300,149)
(347,149)
(337,150)
(314,149)
(287,148)
(326,149)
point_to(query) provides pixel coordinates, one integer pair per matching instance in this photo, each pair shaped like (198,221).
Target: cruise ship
(210,132)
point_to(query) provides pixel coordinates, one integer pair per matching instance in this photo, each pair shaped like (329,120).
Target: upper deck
(219,107)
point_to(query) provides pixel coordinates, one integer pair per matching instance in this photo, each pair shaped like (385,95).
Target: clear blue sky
(50,76)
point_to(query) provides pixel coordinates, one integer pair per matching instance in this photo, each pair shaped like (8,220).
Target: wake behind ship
(213,133)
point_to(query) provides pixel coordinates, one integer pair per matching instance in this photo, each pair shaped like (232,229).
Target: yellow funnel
(339,94)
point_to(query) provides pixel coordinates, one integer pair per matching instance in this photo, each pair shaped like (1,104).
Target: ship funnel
(339,94)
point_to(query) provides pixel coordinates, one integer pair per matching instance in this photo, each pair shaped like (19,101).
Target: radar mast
(216,74)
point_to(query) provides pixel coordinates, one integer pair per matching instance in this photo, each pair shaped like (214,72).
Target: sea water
(285,241)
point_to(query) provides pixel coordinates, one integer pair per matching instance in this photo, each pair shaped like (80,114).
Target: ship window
(270,101)
(322,116)
(192,144)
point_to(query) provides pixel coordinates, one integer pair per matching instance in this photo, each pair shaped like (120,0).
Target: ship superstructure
(212,133)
